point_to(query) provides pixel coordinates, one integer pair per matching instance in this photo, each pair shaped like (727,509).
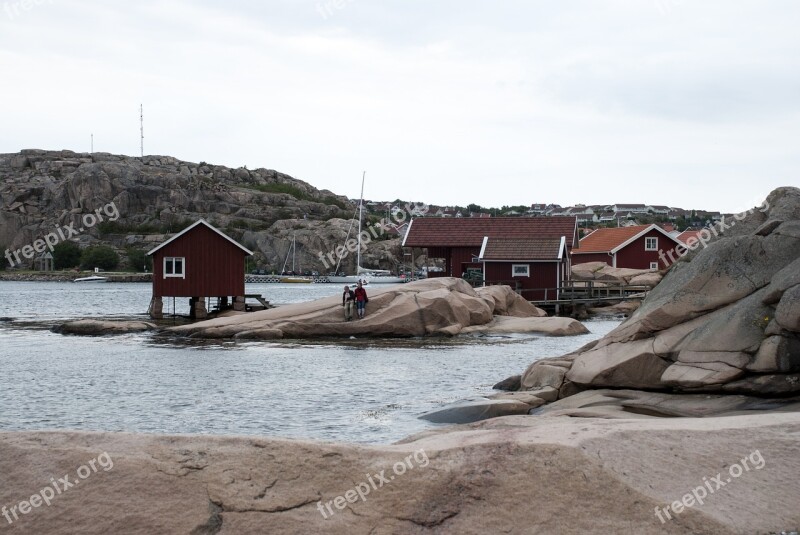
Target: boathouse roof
(523,249)
(211,227)
(470,232)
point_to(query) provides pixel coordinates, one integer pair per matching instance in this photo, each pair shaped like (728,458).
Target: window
(654,266)
(174,267)
(651,244)
(520,270)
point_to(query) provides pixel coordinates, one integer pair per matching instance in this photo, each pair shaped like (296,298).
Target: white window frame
(647,241)
(514,270)
(654,266)
(182,274)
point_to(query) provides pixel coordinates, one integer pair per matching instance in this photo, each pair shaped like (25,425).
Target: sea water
(355,390)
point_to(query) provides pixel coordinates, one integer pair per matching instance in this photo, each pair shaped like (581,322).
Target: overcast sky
(681,102)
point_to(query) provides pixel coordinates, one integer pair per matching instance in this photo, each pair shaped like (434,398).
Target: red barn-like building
(526,253)
(635,247)
(537,266)
(199,262)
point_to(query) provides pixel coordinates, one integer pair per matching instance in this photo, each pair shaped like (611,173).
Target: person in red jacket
(361,300)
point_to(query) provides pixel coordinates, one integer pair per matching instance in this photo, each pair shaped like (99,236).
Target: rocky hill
(43,191)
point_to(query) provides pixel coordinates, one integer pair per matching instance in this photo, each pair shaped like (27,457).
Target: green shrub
(138,260)
(288,189)
(66,255)
(99,256)
(330,199)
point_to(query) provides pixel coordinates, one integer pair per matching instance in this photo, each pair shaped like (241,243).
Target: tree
(99,256)
(66,255)
(138,260)
(4,261)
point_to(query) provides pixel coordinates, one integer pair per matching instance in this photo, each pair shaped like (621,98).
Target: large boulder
(725,318)
(507,303)
(441,306)
(602,272)
(555,326)
(90,327)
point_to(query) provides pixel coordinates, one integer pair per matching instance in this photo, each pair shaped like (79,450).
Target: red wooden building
(199,262)
(523,252)
(635,247)
(535,266)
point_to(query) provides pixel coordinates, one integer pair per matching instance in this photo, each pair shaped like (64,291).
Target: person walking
(348,299)
(361,300)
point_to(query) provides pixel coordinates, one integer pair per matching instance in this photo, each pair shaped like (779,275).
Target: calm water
(351,390)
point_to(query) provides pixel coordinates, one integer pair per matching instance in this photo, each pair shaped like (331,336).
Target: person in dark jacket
(348,299)
(361,300)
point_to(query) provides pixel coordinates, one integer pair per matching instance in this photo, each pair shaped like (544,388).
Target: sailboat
(368,276)
(293,278)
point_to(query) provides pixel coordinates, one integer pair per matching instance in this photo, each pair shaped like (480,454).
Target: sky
(687,103)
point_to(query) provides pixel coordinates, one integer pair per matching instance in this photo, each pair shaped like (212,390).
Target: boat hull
(353,279)
(296,280)
(92,279)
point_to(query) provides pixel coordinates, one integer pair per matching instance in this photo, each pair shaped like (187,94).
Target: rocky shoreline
(69,276)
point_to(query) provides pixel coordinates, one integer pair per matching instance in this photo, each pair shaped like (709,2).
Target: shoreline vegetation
(69,276)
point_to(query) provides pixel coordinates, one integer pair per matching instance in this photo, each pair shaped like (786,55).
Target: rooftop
(604,240)
(521,249)
(469,232)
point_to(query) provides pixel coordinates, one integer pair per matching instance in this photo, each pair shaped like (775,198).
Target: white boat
(367,277)
(370,276)
(295,279)
(93,278)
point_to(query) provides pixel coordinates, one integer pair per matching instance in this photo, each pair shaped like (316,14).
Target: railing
(574,291)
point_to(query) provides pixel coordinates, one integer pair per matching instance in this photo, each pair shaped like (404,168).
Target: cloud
(446,102)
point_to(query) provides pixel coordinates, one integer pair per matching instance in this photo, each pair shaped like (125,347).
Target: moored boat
(93,278)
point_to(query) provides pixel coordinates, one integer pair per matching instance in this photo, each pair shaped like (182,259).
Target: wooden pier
(576,292)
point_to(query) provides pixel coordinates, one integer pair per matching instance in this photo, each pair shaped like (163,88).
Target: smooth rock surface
(723,315)
(554,326)
(473,410)
(442,306)
(103,327)
(495,476)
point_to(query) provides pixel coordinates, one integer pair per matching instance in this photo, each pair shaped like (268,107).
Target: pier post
(197,308)
(156,309)
(238,303)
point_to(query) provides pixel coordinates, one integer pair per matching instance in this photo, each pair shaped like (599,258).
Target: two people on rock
(354,298)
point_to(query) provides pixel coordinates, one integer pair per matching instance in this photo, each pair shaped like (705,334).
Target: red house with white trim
(635,247)
(199,262)
(526,253)
(528,264)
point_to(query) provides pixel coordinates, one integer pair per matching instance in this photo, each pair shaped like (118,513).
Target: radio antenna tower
(141,130)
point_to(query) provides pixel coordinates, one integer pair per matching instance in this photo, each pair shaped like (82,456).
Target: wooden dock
(587,293)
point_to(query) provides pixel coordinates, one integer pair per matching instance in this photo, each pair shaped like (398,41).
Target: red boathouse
(199,262)
(524,252)
(535,266)
(635,247)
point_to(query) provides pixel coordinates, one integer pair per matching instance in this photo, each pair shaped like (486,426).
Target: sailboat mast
(360,211)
